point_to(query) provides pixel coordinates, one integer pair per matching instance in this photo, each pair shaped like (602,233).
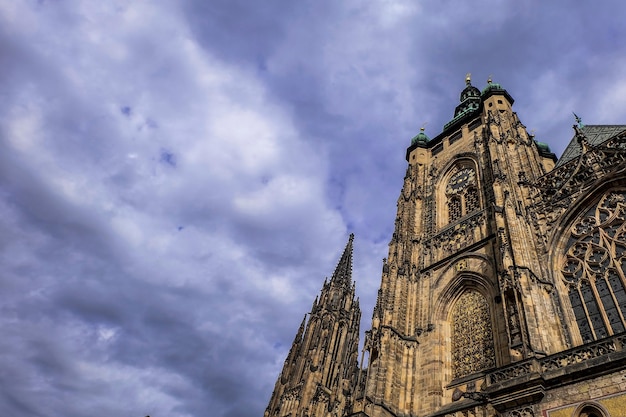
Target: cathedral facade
(504,290)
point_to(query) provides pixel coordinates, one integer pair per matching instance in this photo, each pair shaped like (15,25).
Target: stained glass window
(594,267)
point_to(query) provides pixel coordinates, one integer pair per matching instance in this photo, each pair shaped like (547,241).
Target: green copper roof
(492,86)
(471,107)
(421,138)
(543,146)
(470,103)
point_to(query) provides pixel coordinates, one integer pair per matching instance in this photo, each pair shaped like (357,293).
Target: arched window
(594,268)
(472,337)
(462,193)
(590,410)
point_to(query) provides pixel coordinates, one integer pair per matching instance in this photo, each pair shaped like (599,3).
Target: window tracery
(462,193)
(454,208)
(472,337)
(594,268)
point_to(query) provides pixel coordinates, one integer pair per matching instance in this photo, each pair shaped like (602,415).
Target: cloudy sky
(178,177)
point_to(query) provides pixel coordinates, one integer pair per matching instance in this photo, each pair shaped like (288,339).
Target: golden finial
(489,80)
(423,127)
(468,78)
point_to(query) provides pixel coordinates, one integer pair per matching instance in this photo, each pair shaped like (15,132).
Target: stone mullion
(615,302)
(608,243)
(587,316)
(605,243)
(622,277)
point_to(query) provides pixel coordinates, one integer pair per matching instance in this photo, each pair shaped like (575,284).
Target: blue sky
(178,177)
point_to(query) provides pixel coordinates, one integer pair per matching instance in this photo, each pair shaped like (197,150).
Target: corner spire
(343,273)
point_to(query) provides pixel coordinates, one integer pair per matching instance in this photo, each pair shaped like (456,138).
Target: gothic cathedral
(504,291)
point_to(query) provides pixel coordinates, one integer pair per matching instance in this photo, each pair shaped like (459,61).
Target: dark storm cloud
(176,179)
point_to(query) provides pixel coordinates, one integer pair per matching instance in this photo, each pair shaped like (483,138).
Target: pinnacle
(343,272)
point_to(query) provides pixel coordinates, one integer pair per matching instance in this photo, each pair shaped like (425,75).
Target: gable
(596,134)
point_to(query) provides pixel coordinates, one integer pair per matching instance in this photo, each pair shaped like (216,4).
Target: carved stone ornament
(522,412)
(321,395)
(461,265)
(460,235)
(555,191)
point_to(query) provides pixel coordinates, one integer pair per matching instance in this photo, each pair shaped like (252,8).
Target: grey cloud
(267,132)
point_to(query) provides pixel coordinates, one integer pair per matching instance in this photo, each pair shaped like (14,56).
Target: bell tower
(464,288)
(503,293)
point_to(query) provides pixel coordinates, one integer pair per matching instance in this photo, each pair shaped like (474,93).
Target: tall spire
(343,273)
(321,370)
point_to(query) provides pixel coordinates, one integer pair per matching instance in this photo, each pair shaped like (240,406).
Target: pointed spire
(301,329)
(294,351)
(298,339)
(343,272)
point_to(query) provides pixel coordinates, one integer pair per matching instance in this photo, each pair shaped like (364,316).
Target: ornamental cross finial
(579,121)
(468,78)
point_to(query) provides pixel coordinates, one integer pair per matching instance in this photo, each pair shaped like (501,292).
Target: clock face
(461,179)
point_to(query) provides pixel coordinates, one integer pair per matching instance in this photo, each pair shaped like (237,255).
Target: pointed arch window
(462,193)
(590,410)
(472,336)
(594,268)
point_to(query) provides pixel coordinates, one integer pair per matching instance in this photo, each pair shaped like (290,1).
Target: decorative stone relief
(458,236)
(578,355)
(559,360)
(514,371)
(321,395)
(522,412)
(555,191)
